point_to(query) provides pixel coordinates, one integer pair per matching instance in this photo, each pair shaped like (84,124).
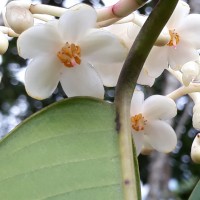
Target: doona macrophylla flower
(122,31)
(68,50)
(184,30)
(190,72)
(148,122)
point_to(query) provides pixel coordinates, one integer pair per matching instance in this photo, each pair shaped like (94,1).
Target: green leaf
(69,150)
(196,192)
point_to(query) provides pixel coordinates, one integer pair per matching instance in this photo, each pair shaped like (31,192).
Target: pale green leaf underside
(69,151)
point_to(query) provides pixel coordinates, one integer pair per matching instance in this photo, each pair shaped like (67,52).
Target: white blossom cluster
(84,57)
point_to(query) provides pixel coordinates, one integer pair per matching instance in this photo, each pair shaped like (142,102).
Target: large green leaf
(68,151)
(196,192)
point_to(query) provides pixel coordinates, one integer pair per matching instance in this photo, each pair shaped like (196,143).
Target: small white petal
(38,40)
(156,61)
(159,107)
(75,22)
(103,47)
(109,73)
(136,103)
(145,79)
(82,80)
(181,11)
(181,54)
(190,29)
(138,140)
(160,135)
(42,76)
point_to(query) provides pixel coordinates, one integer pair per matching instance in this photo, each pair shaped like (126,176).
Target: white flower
(148,122)
(190,72)
(184,29)
(127,33)
(68,50)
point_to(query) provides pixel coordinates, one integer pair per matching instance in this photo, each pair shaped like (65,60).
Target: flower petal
(160,135)
(38,40)
(146,148)
(136,103)
(156,61)
(42,76)
(138,140)
(181,11)
(159,107)
(76,21)
(183,53)
(103,47)
(82,80)
(125,31)
(109,73)
(144,79)
(190,29)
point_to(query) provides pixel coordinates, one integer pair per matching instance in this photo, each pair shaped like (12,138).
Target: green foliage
(69,150)
(196,192)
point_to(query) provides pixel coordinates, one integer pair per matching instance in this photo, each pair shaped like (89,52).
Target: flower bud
(190,71)
(19,18)
(195,149)
(3,43)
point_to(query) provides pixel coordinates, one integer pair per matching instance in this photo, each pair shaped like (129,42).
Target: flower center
(175,38)
(138,122)
(70,55)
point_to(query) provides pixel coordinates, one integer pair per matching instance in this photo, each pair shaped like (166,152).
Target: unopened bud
(195,149)
(19,18)
(190,71)
(3,43)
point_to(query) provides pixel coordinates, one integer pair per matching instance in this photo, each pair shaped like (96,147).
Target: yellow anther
(70,55)
(138,122)
(175,38)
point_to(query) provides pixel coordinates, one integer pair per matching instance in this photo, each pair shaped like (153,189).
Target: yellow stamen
(175,38)
(70,55)
(138,122)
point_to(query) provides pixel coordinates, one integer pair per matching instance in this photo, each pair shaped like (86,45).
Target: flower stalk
(192,93)
(184,90)
(124,91)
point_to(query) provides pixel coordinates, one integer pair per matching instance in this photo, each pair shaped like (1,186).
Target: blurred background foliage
(166,176)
